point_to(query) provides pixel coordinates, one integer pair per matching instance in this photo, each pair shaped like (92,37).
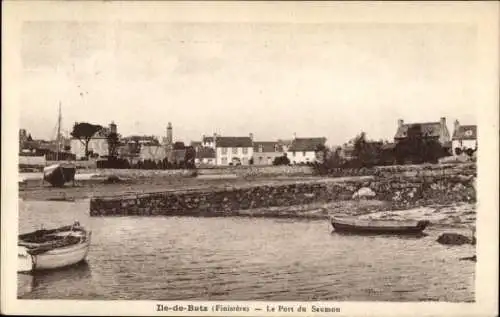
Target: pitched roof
(233,141)
(465,132)
(306,144)
(267,146)
(205,152)
(432,129)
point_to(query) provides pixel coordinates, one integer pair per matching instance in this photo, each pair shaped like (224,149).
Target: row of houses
(244,150)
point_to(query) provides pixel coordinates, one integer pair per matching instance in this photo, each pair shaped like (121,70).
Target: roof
(430,129)
(267,146)
(195,143)
(388,146)
(205,152)
(208,139)
(306,144)
(233,141)
(465,132)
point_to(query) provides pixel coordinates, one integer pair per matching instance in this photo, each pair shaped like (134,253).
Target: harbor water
(187,258)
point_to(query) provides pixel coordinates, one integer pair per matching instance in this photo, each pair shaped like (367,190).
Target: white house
(233,150)
(464,137)
(205,156)
(304,150)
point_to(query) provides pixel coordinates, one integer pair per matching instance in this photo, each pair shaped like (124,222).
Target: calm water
(244,259)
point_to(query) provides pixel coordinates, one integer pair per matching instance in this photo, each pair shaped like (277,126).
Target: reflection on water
(43,281)
(183,258)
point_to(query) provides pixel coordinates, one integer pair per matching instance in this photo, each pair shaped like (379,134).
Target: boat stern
(24,260)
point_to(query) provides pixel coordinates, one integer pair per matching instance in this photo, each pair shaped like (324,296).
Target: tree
(84,132)
(281,160)
(366,153)
(113,144)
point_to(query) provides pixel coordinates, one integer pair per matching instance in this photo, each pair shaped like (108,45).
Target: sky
(330,80)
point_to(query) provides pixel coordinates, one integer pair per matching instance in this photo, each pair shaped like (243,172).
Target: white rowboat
(52,249)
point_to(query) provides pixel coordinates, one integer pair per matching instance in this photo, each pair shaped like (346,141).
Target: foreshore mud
(287,193)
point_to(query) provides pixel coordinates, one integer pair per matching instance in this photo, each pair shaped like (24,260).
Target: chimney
(400,123)
(443,121)
(215,139)
(294,135)
(251,136)
(456,125)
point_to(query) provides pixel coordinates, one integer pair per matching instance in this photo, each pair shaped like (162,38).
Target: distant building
(264,152)
(98,144)
(233,150)
(464,137)
(433,130)
(305,150)
(208,141)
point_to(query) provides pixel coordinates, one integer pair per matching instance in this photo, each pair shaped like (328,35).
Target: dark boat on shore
(59,174)
(379,226)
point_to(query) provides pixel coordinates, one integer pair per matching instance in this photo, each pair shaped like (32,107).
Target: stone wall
(401,191)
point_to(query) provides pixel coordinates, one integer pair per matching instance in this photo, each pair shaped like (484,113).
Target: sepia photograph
(236,158)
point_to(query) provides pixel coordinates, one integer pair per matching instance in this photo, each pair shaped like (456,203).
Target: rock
(112,179)
(364,192)
(454,239)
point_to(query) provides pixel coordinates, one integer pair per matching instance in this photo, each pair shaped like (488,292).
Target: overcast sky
(331,80)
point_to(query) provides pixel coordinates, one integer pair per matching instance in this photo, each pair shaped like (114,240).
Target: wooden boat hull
(52,259)
(378,227)
(56,257)
(59,174)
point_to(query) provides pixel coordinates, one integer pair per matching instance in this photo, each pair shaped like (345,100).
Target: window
(261,148)
(224,151)
(304,153)
(276,148)
(235,150)
(293,153)
(245,150)
(224,161)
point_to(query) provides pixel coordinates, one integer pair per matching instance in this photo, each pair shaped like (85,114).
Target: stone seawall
(400,191)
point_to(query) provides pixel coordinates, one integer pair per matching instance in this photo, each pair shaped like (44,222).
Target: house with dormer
(431,130)
(464,138)
(266,151)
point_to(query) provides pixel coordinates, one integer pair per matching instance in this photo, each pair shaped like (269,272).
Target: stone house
(233,150)
(266,151)
(464,137)
(434,130)
(305,150)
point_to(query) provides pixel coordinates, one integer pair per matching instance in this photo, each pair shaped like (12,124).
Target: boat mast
(58,138)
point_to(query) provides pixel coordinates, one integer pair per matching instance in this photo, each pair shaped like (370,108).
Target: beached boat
(59,174)
(379,226)
(53,248)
